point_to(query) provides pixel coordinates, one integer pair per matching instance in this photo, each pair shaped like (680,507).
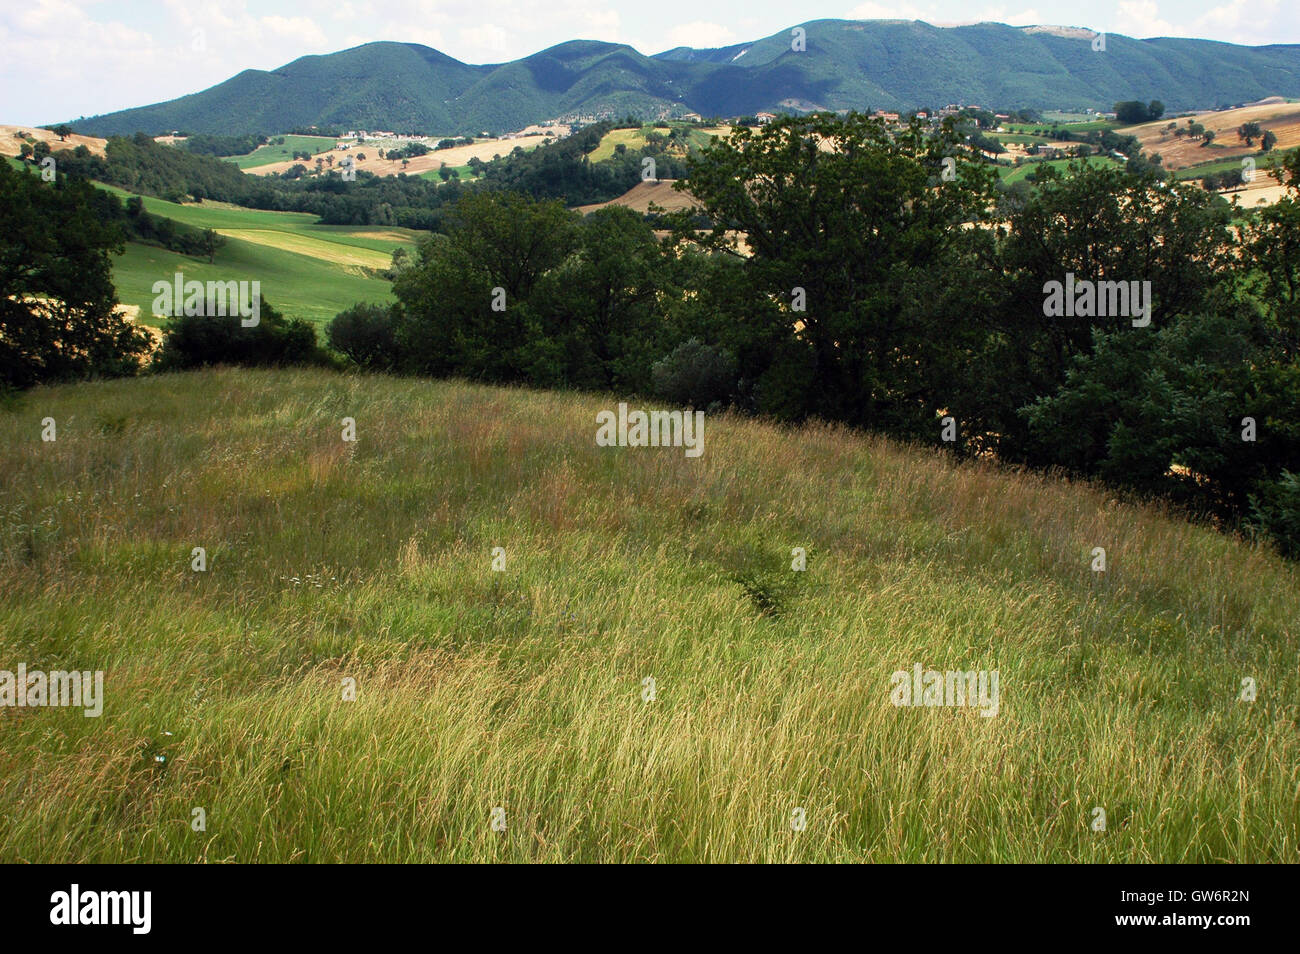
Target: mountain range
(847,64)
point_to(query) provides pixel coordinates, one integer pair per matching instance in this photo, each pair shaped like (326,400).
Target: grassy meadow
(697,137)
(1012,174)
(631,138)
(283,152)
(1264,162)
(523,689)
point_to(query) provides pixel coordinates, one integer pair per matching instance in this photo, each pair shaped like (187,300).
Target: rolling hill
(892,64)
(640,197)
(306,269)
(525,689)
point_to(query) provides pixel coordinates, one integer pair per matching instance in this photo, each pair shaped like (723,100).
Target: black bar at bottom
(344,904)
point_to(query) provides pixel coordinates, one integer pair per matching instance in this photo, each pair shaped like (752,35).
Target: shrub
(695,374)
(364,333)
(193,341)
(1276,511)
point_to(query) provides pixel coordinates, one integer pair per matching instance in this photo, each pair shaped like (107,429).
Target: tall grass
(523,689)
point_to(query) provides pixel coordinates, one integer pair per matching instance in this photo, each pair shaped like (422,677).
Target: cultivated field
(629,138)
(1180,152)
(698,136)
(525,689)
(1017,173)
(640,197)
(307,270)
(283,152)
(454,157)
(11,140)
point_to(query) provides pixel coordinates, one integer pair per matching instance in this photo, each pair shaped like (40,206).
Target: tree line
(556,170)
(838,270)
(841,275)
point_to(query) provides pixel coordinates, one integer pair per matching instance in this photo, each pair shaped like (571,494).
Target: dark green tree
(846,223)
(452,318)
(59,318)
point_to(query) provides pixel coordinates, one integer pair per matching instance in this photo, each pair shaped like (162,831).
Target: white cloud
(1257,22)
(299,28)
(889,11)
(701,35)
(1029,17)
(47,75)
(1141,18)
(487,41)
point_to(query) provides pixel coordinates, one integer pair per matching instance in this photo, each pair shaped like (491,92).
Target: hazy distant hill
(890,64)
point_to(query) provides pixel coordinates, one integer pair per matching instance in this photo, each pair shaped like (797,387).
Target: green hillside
(307,270)
(384,85)
(297,285)
(526,689)
(1011,174)
(847,64)
(283,152)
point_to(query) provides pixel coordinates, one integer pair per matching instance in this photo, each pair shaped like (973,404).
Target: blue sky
(65,58)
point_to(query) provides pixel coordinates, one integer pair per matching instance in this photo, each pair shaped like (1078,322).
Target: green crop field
(221,216)
(1021,139)
(702,137)
(632,138)
(696,137)
(307,270)
(1221,166)
(1074,126)
(1011,174)
(265,155)
(349,679)
(1095,125)
(1054,117)
(296,285)
(466,173)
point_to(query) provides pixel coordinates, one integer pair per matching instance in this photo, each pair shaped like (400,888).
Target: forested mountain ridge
(890,64)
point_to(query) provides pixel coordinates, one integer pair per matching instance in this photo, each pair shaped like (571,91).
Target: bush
(193,341)
(364,333)
(1276,511)
(695,375)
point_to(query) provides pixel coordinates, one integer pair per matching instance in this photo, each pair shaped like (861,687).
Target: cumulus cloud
(60,63)
(701,34)
(1141,18)
(1029,17)
(1258,22)
(487,41)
